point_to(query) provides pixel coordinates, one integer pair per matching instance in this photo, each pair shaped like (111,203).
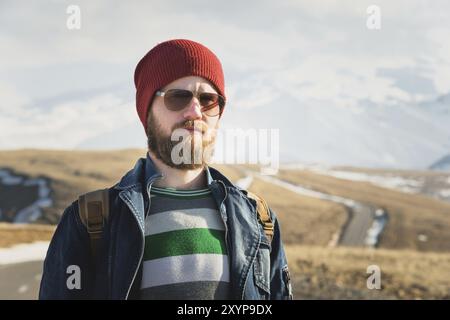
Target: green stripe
(184,242)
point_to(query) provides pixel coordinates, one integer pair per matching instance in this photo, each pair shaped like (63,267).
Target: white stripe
(187,268)
(183,219)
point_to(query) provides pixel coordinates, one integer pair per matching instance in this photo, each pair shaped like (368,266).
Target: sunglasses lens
(208,99)
(176,99)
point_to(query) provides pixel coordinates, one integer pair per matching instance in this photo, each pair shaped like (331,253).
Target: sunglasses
(177,99)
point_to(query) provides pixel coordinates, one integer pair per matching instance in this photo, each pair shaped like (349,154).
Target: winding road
(364,224)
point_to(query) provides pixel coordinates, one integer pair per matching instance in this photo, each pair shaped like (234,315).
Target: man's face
(169,131)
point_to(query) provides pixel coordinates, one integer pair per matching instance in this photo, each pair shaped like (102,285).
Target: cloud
(63,125)
(312,52)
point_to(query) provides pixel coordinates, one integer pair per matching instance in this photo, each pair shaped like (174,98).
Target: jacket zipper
(224,220)
(136,270)
(143,243)
(246,278)
(226,240)
(252,263)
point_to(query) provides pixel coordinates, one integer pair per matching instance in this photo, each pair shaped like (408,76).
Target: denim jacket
(258,267)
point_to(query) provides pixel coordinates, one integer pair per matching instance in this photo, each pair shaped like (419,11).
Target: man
(177,228)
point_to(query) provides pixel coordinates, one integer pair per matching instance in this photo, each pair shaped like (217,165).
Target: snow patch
(35,251)
(307,192)
(445,193)
(374,232)
(390,182)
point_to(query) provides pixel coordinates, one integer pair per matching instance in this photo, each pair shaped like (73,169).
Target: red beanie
(169,61)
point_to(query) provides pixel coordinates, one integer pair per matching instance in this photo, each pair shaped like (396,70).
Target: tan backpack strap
(93,208)
(263,214)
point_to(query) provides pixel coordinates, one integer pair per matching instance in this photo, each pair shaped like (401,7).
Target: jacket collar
(144,171)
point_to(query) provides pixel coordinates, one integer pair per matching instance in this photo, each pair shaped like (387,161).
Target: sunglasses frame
(196,94)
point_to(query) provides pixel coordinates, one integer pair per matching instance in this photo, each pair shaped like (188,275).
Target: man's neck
(178,179)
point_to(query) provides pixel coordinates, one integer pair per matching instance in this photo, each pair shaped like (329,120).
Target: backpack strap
(263,215)
(93,208)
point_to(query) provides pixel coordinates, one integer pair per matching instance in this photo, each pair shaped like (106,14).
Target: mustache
(192,124)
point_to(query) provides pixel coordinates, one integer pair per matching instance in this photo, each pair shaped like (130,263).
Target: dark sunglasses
(177,99)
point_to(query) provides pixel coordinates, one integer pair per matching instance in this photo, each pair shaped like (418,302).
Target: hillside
(74,172)
(410,215)
(308,224)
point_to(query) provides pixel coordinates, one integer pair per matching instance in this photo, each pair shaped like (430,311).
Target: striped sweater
(185,253)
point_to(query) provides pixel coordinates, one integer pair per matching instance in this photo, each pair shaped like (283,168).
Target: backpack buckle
(94,219)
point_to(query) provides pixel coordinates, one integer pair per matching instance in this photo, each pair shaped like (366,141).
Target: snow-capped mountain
(442,164)
(370,135)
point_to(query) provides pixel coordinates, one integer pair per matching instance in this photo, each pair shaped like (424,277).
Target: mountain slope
(409,136)
(442,164)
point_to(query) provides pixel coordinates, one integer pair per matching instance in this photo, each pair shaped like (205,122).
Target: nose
(193,111)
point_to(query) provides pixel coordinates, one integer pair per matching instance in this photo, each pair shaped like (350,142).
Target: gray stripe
(161,204)
(180,192)
(184,219)
(185,268)
(203,290)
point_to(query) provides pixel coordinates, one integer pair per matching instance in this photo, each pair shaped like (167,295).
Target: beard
(195,149)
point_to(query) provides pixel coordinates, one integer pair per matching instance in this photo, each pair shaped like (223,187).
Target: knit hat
(169,61)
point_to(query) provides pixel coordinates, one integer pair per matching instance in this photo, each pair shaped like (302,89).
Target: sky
(64,88)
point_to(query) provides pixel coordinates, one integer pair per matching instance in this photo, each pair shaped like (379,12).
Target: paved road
(360,221)
(363,224)
(20,281)
(21,197)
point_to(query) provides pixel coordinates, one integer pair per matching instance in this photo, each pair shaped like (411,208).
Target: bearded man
(173,227)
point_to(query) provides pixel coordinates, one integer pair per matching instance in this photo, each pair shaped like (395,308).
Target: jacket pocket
(287,283)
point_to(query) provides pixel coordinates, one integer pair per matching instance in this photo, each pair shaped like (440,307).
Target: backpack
(93,209)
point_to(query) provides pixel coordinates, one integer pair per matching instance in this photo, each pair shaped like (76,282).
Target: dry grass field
(303,220)
(410,215)
(11,234)
(341,273)
(410,269)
